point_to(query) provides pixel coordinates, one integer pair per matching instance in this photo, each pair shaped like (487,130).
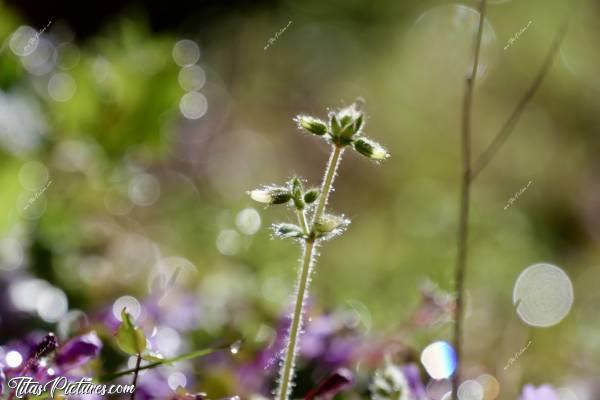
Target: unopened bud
(311,195)
(329,226)
(312,125)
(297,190)
(271,195)
(370,148)
(285,231)
(345,124)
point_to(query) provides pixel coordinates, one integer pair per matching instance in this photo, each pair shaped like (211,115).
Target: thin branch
(302,221)
(502,135)
(185,357)
(463,232)
(135,375)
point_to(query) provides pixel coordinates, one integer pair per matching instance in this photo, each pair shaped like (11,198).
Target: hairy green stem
(334,160)
(296,326)
(287,369)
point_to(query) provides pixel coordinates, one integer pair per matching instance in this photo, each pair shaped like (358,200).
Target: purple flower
(329,341)
(544,392)
(78,351)
(413,377)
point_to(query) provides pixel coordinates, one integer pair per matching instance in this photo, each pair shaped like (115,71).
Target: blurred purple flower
(330,341)
(341,379)
(436,305)
(177,309)
(78,351)
(544,392)
(413,377)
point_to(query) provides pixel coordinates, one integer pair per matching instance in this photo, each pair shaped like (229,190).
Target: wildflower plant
(343,129)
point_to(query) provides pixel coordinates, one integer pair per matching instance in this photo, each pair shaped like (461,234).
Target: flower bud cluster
(344,128)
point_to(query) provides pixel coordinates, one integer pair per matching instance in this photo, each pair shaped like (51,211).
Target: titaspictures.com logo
(26,386)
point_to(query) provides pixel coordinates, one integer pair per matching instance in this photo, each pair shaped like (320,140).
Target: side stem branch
(463,232)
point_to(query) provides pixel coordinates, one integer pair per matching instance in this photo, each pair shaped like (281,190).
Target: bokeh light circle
(176,380)
(186,52)
(439,360)
(470,390)
(248,221)
(25,293)
(42,60)
(33,175)
(52,304)
(61,87)
(193,105)
(437,389)
(543,295)
(229,242)
(68,56)
(133,306)
(13,359)
(490,385)
(168,341)
(72,323)
(192,78)
(442,37)
(144,190)
(24,41)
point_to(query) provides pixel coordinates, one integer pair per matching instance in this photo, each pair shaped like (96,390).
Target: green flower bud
(370,148)
(345,124)
(311,196)
(330,226)
(312,125)
(271,195)
(349,115)
(286,231)
(297,190)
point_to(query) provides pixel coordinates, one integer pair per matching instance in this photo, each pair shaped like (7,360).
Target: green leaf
(130,338)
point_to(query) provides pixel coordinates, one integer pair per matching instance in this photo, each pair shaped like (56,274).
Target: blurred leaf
(130,338)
